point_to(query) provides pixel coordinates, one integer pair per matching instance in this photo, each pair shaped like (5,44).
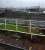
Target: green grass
(2,26)
(20,28)
(12,26)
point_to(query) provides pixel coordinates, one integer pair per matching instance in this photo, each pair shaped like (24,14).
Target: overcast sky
(22,3)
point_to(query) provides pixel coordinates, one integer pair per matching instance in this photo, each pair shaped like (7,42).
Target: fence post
(16,24)
(30,26)
(5,23)
(31,29)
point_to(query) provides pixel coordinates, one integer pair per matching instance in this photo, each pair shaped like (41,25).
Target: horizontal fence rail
(22,25)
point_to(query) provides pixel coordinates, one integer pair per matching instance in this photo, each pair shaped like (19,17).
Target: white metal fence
(20,25)
(5,22)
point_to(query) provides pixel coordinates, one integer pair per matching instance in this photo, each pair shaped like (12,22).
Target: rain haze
(22,3)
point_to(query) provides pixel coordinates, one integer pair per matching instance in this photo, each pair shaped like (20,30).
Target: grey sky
(22,3)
